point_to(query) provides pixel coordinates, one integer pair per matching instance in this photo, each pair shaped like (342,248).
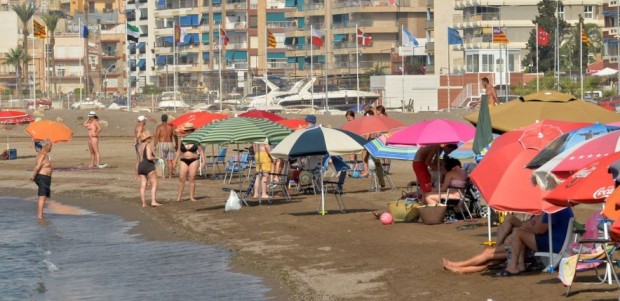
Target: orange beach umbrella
(48,129)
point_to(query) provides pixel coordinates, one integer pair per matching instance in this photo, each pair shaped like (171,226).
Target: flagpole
(312,70)
(81,67)
(128,66)
(449,96)
(402,65)
(537,75)
(507,72)
(266,75)
(357,69)
(174,63)
(581,56)
(221,42)
(34,70)
(557,44)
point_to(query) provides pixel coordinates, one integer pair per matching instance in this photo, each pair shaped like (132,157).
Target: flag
(499,36)
(223,38)
(363,39)
(271,40)
(543,37)
(316,37)
(408,39)
(454,37)
(39,30)
(133,33)
(584,38)
(85,31)
(179,34)
(484,131)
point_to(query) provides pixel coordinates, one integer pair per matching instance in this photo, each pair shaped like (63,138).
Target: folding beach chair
(604,257)
(216,161)
(281,184)
(545,257)
(337,188)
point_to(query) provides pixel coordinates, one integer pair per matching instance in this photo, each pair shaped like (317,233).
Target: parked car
(38,103)
(611,103)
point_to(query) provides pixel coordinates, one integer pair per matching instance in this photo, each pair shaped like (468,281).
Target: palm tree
(17,58)
(24,12)
(51,22)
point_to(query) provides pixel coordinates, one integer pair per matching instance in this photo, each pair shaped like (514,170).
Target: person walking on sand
(42,175)
(94,128)
(189,153)
(146,169)
(166,143)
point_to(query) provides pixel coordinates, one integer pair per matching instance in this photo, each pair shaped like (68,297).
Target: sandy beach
(301,254)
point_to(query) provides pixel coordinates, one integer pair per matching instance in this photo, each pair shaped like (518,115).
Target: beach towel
(568,266)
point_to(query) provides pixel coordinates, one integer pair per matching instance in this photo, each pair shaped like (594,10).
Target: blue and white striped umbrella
(318,142)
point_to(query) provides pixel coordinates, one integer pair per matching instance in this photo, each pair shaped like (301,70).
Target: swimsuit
(458,183)
(44,183)
(166,151)
(423,176)
(193,150)
(263,162)
(145,166)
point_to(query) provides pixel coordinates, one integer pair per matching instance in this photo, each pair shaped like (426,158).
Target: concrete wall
(422,89)
(9,29)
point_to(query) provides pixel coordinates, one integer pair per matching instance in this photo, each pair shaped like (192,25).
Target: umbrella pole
(606,236)
(323,212)
(551,267)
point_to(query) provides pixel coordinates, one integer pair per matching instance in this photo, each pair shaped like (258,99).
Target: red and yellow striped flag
(39,30)
(499,36)
(271,40)
(584,38)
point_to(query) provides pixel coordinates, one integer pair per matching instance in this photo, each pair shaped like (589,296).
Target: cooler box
(12,153)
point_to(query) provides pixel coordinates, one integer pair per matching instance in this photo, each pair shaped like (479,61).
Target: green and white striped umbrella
(239,130)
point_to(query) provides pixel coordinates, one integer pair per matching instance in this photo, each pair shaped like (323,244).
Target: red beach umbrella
(294,124)
(199,119)
(502,177)
(591,184)
(262,114)
(15,117)
(372,124)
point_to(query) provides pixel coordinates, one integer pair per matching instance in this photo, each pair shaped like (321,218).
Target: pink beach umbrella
(435,131)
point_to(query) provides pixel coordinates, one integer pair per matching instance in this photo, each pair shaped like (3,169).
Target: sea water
(90,256)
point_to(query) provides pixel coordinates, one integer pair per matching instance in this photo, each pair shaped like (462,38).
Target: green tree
(24,12)
(17,58)
(150,89)
(377,69)
(51,22)
(546,19)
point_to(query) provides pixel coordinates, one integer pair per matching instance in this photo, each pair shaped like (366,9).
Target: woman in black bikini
(146,168)
(189,153)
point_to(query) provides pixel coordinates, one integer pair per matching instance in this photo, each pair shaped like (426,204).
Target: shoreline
(150,229)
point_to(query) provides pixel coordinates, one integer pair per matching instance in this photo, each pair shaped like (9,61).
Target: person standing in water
(42,175)
(166,143)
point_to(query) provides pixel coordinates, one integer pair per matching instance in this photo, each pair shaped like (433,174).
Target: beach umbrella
(561,166)
(239,130)
(591,184)
(484,132)
(435,131)
(545,105)
(261,114)
(319,141)
(294,124)
(612,205)
(379,148)
(567,140)
(372,124)
(198,119)
(501,176)
(10,118)
(48,129)
(605,72)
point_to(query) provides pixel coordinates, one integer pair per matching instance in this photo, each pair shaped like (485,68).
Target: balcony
(282,24)
(236,25)
(239,45)
(430,3)
(348,45)
(313,6)
(279,65)
(476,19)
(430,46)
(238,5)
(351,24)
(430,24)
(366,3)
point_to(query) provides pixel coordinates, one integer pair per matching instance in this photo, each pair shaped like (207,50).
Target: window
(253,22)
(561,10)
(500,64)
(513,59)
(472,63)
(588,12)
(487,63)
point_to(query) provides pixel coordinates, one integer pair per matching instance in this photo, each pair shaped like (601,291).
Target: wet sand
(303,255)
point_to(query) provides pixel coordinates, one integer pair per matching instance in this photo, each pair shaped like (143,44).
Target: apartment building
(475,20)
(337,21)
(611,14)
(439,15)
(200,57)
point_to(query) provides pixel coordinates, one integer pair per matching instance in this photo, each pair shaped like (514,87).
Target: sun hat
(92,114)
(310,118)
(141,118)
(188,126)
(145,135)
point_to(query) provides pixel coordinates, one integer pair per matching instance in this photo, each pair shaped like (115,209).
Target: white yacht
(335,98)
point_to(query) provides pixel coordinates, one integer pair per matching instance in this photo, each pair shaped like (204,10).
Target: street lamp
(105,79)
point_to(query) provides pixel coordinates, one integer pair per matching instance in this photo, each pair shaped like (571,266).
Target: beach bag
(159,167)
(432,215)
(404,210)
(233,203)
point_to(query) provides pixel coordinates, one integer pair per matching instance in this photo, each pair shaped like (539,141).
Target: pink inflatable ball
(386,218)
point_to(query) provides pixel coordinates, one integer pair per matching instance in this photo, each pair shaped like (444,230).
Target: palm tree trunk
(25,75)
(53,63)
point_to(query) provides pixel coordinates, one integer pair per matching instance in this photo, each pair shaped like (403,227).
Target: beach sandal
(505,273)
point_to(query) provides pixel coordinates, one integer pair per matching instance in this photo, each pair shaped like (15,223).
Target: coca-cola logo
(603,192)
